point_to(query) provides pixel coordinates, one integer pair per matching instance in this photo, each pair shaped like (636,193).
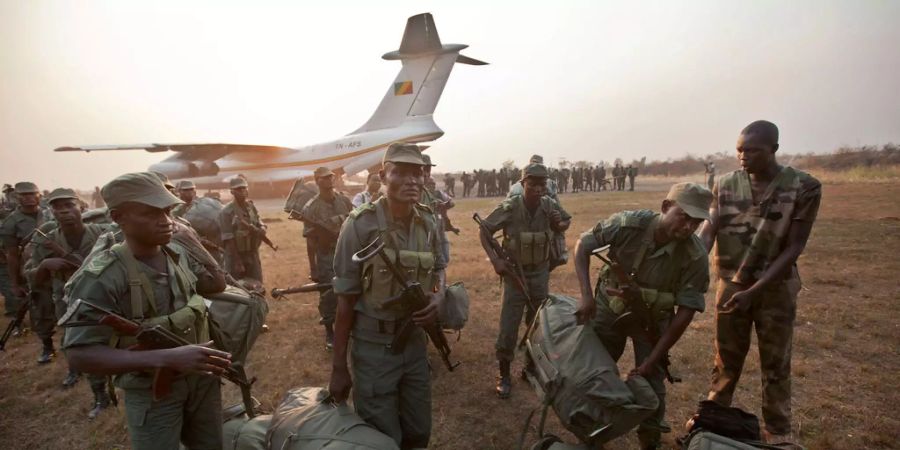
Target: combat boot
(71,378)
(47,352)
(101,401)
(504,381)
(329,337)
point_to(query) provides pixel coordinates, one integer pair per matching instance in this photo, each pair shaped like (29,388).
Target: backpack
(454,312)
(572,372)
(238,316)
(300,194)
(307,419)
(241,433)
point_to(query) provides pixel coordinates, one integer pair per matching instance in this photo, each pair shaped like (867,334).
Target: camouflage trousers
(772,313)
(10,301)
(191,414)
(514,305)
(327,299)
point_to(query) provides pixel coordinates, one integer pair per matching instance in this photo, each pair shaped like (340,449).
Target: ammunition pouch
(531,248)
(379,285)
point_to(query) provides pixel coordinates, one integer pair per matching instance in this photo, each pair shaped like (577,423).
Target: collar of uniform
(651,231)
(171,252)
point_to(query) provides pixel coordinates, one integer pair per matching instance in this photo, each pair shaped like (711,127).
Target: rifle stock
(308,287)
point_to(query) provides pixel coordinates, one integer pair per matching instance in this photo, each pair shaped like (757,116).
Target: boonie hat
(403,153)
(535,170)
(237,182)
(693,199)
(140,187)
(186,184)
(323,172)
(27,187)
(60,194)
(537,159)
(427,159)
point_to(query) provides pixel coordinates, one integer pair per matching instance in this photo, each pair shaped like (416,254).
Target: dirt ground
(845,347)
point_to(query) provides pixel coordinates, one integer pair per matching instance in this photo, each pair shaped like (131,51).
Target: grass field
(845,368)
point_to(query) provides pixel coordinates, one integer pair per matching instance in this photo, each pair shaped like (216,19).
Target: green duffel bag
(454,312)
(307,419)
(573,373)
(239,316)
(700,439)
(242,434)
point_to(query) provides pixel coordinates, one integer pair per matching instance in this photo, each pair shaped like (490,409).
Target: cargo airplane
(404,115)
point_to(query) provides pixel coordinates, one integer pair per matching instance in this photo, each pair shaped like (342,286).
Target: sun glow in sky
(583,80)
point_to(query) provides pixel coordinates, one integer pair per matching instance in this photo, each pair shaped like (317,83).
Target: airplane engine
(186,169)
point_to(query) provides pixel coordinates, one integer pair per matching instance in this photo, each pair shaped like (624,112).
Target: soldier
(16,232)
(529,222)
(601,176)
(480,178)
(439,205)
(760,222)
(632,172)
(552,189)
(392,391)
(322,217)
(241,233)
(187,192)
(143,273)
(464,178)
(670,268)
(49,270)
(710,170)
(97,199)
(450,184)
(588,179)
(372,192)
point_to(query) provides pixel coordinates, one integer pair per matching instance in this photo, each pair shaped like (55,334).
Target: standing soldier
(588,178)
(465,182)
(528,222)
(710,170)
(16,232)
(322,218)
(392,390)
(145,280)
(760,222)
(372,192)
(242,233)
(480,177)
(55,256)
(632,172)
(450,184)
(669,268)
(439,205)
(97,199)
(187,192)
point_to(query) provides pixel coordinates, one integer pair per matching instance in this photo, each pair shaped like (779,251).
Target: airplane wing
(208,152)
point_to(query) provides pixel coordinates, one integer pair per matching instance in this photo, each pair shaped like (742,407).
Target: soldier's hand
(340,384)
(586,310)
(555,216)
(740,301)
(19,291)
(427,315)
(198,358)
(502,267)
(645,370)
(56,264)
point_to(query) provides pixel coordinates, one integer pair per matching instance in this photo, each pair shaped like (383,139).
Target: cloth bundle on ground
(573,373)
(239,315)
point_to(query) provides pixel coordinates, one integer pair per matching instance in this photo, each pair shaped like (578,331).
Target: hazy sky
(588,80)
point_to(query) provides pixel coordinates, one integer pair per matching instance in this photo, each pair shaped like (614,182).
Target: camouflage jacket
(752,234)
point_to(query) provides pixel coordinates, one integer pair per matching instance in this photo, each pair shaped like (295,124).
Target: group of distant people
(496,183)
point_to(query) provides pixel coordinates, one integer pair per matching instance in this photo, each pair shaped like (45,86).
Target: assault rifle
(413,297)
(150,337)
(308,287)
(638,314)
(498,252)
(17,320)
(258,231)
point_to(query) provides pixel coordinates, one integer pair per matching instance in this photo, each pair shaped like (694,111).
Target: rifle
(258,231)
(413,297)
(150,337)
(71,257)
(17,320)
(638,314)
(332,234)
(518,276)
(308,287)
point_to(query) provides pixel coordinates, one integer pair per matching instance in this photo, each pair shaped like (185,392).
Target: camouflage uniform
(330,216)
(114,279)
(391,391)
(750,236)
(15,229)
(246,240)
(527,236)
(676,273)
(632,172)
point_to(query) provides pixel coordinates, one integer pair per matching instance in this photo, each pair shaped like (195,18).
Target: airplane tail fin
(426,67)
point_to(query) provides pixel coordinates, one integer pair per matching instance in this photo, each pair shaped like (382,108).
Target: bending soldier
(668,267)
(391,387)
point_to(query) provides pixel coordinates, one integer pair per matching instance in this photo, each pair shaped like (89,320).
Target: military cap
(237,182)
(185,185)
(7,187)
(60,194)
(403,153)
(323,172)
(535,170)
(165,179)
(140,187)
(27,187)
(693,199)
(427,159)
(536,159)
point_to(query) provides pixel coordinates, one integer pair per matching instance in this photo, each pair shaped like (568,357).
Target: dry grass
(845,348)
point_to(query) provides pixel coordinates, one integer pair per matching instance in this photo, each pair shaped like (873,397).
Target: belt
(371,324)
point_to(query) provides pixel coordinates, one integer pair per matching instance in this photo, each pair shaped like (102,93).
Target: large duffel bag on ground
(573,373)
(308,420)
(241,434)
(239,315)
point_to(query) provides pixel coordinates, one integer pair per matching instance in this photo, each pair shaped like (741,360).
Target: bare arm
(587,308)
(672,334)
(104,360)
(710,227)
(340,375)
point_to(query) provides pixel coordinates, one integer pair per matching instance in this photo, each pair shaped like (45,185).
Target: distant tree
(509,164)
